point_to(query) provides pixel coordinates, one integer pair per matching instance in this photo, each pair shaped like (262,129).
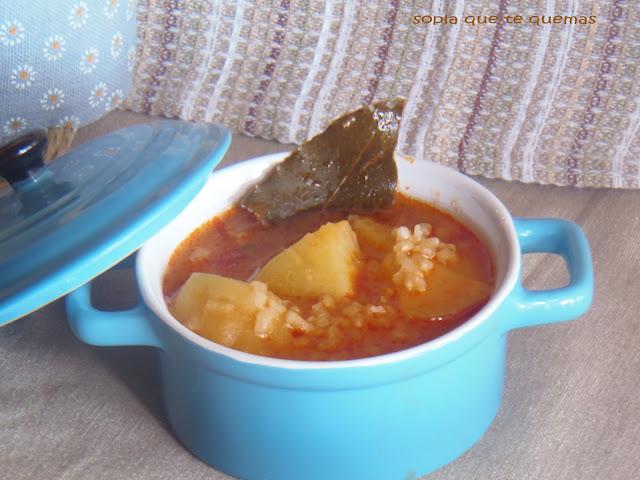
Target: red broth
(234,244)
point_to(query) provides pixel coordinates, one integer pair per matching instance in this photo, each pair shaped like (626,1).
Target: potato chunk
(447,293)
(324,262)
(377,235)
(219,308)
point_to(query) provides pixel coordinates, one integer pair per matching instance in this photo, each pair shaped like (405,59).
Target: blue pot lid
(66,223)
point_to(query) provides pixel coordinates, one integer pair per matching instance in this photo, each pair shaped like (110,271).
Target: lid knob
(22,156)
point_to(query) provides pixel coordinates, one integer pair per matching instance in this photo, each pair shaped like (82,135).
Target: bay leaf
(350,165)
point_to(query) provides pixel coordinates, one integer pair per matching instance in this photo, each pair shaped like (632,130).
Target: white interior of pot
(447,189)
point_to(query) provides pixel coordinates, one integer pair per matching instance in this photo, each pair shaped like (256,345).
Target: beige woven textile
(556,103)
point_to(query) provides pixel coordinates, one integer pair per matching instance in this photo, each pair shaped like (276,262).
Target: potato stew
(329,285)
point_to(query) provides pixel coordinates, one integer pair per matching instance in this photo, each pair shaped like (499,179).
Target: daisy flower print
(70,122)
(89,60)
(22,76)
(111,8)
(115,100)
(52,99)
(98,94)
(11,33)
(116,45)
(131,9)
(131,59)
(79,14)
(14,125)
(53,48)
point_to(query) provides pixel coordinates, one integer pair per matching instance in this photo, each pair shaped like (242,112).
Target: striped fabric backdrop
(557,104)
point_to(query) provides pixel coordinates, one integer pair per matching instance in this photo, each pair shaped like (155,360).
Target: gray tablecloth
(571,408)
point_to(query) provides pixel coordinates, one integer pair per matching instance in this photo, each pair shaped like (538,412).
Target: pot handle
(564,238)
(109,329)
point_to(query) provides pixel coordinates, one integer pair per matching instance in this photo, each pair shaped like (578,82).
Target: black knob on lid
(23,155)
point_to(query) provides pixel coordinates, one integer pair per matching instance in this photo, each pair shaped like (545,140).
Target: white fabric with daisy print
(63,63)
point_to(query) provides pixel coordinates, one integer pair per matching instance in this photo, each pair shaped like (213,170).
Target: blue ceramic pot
(394,416)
